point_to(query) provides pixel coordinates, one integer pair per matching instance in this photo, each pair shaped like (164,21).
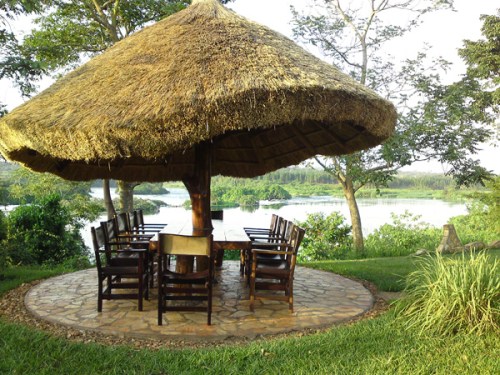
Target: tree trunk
(357,231)
(126,196)
(198,186)
(108,202)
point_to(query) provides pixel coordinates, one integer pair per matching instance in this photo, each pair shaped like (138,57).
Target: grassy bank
(373,346)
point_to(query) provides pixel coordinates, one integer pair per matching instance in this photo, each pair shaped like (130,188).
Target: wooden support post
(198,186)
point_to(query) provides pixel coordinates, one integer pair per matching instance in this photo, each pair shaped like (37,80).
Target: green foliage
(482,223)
(4,258)
(326,237)
(15,64)
(26,186)
(228,191)
(483,62)
(148,206)
(43,233)
(150,188)
(68,31)
(446,296)
(403,236)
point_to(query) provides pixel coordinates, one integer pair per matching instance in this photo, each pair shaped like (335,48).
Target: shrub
(482,223)
(43,232)
(273,192)
(326,237)
(147,188)
(404,236)
(4,258)
(448,295)
(248,200)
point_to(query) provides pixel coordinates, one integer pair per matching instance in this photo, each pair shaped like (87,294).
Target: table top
(226,237)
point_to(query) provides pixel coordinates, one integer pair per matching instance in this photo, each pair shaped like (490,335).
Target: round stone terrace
(320,299)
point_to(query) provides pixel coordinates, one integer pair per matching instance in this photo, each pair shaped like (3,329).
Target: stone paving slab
(320,299)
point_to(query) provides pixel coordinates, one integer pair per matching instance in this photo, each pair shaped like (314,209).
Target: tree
(14,63)
(435,120)
(29,187)
(483,63)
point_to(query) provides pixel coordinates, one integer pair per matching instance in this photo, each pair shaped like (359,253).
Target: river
(374,212)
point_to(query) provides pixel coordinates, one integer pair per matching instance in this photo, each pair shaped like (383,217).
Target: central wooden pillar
(198,186)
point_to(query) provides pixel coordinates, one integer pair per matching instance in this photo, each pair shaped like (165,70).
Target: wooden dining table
(225,237)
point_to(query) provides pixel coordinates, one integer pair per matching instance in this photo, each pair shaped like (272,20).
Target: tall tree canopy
(436,121)
(15,64)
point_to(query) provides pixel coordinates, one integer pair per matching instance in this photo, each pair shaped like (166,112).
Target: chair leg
(252,288)
(209,303)
(99,295)
(141,291)
(160,303)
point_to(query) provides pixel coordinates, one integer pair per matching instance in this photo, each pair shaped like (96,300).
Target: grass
(388,273)
(374,346)
(449,295)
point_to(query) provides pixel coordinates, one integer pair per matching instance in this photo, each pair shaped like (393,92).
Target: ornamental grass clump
(448,295)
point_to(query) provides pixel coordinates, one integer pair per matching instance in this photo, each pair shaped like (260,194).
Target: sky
(443,30)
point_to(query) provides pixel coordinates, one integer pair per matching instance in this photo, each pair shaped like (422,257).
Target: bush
(4,258)
(445,296)
(147,188)
(482,223)
(404,236)
(248,200)
(273,192)
(326,237)
(43,233)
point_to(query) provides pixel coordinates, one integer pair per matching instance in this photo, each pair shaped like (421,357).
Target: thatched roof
(205,73)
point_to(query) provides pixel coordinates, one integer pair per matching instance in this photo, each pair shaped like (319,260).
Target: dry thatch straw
(205,73)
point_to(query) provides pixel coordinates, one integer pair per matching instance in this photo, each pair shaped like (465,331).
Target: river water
(374,212)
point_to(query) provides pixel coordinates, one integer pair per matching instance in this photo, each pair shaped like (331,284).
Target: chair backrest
(175,244)
(123,222)
(110,230)
(274,222)
(134,224)
(296,238)
(98,242)
(139,217)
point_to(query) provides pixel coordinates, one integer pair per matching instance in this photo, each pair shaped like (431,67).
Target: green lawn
(373,346)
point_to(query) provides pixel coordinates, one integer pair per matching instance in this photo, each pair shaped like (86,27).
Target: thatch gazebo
(200,93)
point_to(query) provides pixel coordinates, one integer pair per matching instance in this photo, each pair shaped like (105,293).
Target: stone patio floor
(320,299)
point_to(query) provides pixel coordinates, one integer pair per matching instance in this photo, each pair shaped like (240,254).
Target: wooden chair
(116,264)
(281,234)
(271,229)
(125,229)
(122,235)
(275,275)
(276,235)
(195,286)
(140,225)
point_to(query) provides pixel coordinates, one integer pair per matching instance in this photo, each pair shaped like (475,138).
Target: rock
(474,246)
(421,252)
(494,245)
(450,242)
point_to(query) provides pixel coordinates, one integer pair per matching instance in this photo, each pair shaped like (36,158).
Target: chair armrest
(257,230)
(274,252)
(136,236)
(131,250)
(267,238)
(268,245)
